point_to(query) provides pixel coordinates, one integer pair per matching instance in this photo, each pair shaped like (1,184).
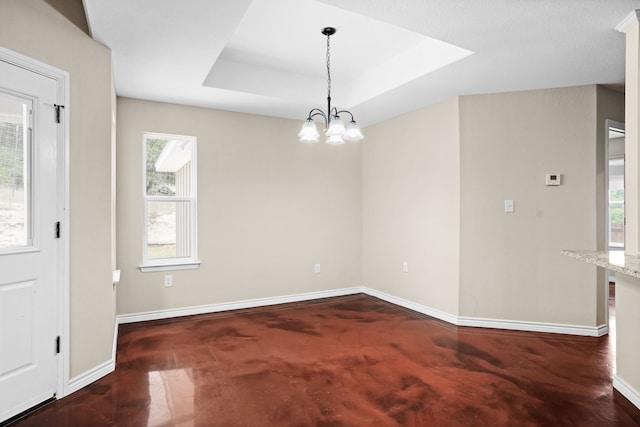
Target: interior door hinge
(58,107)
(58,344)
(58,230)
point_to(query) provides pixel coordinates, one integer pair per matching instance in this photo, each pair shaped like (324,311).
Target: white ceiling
(388,57)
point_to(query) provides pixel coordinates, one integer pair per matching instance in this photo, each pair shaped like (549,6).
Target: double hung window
(169,202)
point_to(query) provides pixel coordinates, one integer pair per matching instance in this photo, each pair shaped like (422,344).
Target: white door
(29,247)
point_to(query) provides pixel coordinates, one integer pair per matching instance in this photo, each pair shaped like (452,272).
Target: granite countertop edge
(631,265)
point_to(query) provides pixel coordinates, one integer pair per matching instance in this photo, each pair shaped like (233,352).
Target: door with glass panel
(29,263)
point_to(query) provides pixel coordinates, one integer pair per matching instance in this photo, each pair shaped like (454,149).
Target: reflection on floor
(347,361)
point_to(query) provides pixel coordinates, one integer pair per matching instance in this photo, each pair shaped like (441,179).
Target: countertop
(616,261)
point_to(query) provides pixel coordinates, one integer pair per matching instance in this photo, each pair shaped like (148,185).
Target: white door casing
(33,271)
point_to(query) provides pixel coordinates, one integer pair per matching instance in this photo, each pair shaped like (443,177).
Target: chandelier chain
(328,68)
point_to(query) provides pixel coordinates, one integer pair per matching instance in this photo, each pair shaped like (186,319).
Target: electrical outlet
(405,267)
(316,268)
(168,280)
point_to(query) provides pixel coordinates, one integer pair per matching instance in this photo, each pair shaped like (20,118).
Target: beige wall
(411,206)
(35,29)
(434,185)
(511,267)
(269,208)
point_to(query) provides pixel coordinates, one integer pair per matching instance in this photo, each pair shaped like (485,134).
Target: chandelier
(335,129)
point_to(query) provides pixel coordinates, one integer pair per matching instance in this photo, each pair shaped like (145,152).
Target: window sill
(149,268)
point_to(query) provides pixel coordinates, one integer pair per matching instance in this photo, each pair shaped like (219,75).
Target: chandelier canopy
(335,129)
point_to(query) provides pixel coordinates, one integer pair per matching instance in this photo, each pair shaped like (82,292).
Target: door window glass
(14,173)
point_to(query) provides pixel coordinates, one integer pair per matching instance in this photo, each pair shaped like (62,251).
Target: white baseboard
(514,325)
(517,325)
(626,390)
(602,330)
(96,373)
(214,308)
(90,376)
(429,311)
(438,314)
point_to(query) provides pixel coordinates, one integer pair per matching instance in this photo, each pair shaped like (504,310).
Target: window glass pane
(14,209)
(616,224)
(168,229)
(616,202)
(616,195)
(168,167)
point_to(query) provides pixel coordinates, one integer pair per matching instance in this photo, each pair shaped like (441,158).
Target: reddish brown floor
(348,361)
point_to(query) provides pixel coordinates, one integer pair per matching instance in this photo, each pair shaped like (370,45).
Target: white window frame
(173,263)
(611,203)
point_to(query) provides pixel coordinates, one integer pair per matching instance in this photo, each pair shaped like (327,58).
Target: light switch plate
(509,206)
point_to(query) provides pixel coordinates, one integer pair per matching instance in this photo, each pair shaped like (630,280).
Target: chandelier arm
(345,111)
(315,111)
(318,112)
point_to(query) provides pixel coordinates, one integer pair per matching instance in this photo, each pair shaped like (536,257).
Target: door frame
(61,78)
(608,125)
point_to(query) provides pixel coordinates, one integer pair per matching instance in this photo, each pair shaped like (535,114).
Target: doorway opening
(615,211)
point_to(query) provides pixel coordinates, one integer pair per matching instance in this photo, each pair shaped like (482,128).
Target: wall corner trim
(627,390)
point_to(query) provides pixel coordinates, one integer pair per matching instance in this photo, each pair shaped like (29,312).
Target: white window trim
(147,268)
(177,263)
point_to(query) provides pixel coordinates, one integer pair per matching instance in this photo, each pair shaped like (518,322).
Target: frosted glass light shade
(335,140)
(336,127)
(309,132)
(353,132)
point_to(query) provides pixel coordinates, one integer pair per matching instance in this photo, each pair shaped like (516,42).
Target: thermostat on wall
(553,179)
